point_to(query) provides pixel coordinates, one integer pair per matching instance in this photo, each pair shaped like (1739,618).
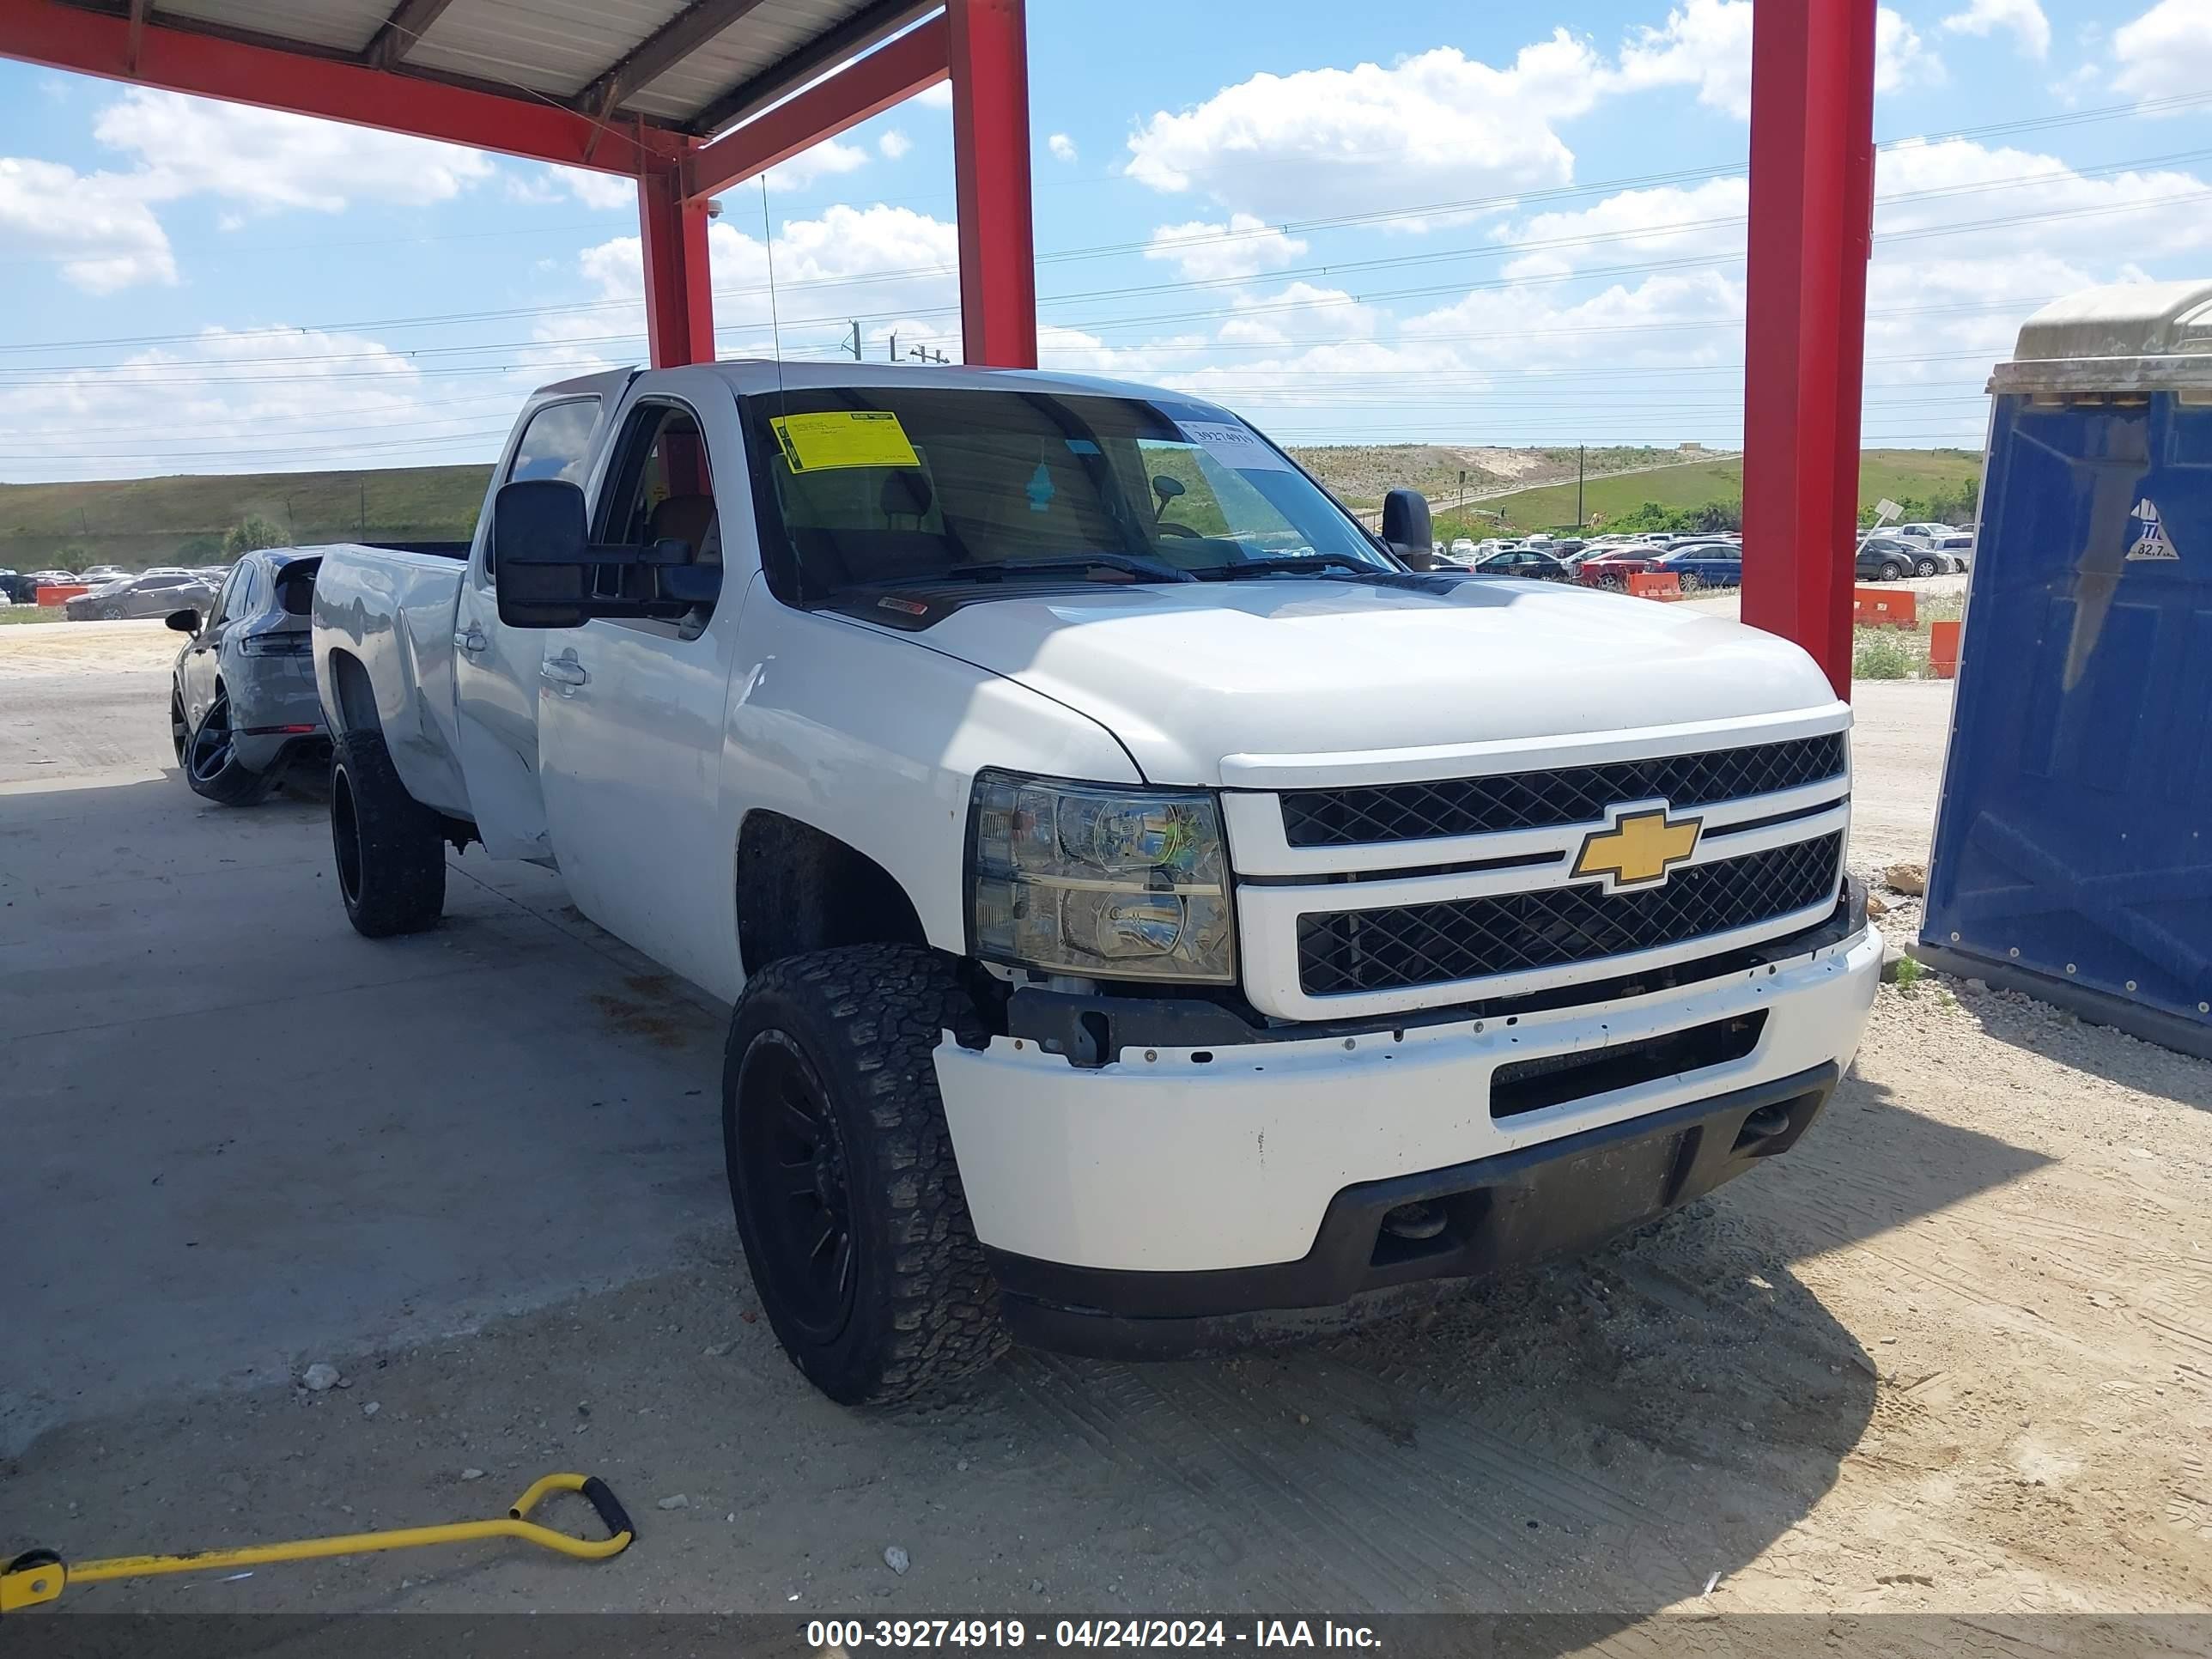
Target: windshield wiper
(1014,569)
(1291,564)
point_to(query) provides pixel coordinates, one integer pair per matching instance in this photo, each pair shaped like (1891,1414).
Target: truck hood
(1186,675)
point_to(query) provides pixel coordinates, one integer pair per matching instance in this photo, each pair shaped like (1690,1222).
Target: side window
(225,600)
(554,445)
(661,488)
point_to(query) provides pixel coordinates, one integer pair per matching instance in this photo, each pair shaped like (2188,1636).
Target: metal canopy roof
(694,66)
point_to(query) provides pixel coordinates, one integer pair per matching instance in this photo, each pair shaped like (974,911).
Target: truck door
(495,678)
(631,712)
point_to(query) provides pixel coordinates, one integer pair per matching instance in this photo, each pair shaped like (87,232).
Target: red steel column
(1812,211)
(680,300)
(990,168)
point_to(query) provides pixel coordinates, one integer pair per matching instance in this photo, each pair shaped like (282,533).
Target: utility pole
(1582,454)
(853,345)
(364,509)
(894,353)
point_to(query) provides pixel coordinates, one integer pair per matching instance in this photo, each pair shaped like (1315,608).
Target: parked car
(1959,547)
(9,580)
(167,570)
(1924,531)
(1891,557)
(1610,566)
(1703,564)
(1014,814)
(1462,548)
(28,584)
(243,707)
(138,595)
(93,575)
(1526,562)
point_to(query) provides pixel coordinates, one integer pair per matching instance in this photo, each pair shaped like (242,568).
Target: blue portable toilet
(2073,854)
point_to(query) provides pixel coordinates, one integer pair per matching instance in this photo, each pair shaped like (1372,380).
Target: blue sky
(1417,222)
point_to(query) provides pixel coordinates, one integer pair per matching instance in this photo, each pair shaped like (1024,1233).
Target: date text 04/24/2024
(851,1634)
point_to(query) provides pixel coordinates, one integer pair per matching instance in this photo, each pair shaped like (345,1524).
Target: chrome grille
(1471,938)
(1566,795)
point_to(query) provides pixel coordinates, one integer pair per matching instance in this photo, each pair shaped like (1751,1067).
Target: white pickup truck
(1155,916)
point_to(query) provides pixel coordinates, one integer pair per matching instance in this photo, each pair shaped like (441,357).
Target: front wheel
(391,848)
(841,1173)
(111,613)
(1923,567)
(1891,570)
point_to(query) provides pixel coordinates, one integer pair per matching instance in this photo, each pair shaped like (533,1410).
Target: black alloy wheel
(791,1156)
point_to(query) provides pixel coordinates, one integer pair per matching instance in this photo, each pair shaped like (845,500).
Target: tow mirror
(1407,529)
(550,575)
(185,622)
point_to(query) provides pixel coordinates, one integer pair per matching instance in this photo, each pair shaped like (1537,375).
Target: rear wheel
(391,848)
(842,1173)
(211,761)
(1687,582)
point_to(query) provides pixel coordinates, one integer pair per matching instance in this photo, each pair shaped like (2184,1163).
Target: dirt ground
(1953,1354)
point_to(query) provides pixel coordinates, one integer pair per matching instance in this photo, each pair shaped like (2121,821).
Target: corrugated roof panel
(346,25)
(771,32)
(557,47)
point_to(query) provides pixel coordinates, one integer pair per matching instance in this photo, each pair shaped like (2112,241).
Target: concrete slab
(250,1135)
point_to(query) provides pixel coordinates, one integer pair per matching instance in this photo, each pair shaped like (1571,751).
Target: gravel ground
(1953,1355)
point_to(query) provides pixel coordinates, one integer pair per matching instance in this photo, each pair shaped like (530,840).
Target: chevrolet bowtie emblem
(1638,849)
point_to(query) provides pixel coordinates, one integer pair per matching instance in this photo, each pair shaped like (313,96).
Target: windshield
(868,485)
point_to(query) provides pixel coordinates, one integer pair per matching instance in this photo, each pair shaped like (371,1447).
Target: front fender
(874,737)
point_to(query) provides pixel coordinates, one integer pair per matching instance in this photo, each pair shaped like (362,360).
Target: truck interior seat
(689,518)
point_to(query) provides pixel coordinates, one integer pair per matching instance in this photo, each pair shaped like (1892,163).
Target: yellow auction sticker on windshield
(843,437)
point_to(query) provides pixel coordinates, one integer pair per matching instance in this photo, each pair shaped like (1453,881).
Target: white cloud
(879,262)
(251,400)
(937,97)
(1244,246)
(548,183)
(1061,146)
(827,159)
(894,145)
(1662,222)
(1706,44)
(96,227)
(1901,59)
(267,158)
(2167,50)
(1298,313)
(2024,18)
(1433,127)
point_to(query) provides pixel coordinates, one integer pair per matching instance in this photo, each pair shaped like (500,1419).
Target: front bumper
(1166,1199)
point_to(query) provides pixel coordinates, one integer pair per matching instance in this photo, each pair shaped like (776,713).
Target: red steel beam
(991,172)
(1812,213)
(680,300)
(62,37)
(867,86)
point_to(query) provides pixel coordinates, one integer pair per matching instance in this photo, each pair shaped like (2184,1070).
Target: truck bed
(390,609)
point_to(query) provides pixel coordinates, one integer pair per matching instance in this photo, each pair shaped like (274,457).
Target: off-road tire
(389,848)
(866,1020)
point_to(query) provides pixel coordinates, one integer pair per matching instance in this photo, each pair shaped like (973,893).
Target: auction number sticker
(843,437)
(1234,445)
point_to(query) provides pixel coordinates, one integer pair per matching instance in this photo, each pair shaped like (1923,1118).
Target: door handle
(471,638)
(563,671)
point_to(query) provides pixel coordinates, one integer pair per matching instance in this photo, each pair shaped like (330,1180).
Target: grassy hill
(140,521)
(1898,474)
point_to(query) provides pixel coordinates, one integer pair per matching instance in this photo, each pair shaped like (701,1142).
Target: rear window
(295,586)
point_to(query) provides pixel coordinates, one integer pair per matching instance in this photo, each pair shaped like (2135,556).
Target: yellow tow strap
(38,1575)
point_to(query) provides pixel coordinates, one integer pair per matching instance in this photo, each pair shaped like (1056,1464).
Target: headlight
(1104,882)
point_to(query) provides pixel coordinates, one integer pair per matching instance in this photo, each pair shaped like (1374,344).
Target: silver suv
(243,710)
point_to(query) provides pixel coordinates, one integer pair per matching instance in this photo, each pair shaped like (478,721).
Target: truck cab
(1152,913)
